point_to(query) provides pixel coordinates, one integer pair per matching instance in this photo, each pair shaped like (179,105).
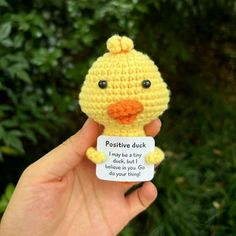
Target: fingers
(141,198)
(153,128)
(67,155)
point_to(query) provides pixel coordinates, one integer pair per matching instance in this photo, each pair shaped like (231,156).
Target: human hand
(60,194)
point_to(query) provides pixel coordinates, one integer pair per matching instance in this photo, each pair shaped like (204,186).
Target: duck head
(123,89)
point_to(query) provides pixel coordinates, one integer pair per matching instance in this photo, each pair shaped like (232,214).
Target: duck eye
(146,83)
(102,84)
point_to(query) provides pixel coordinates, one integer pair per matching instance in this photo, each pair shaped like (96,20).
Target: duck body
(124,91)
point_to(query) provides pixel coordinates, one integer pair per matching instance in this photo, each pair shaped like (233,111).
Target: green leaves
(3,3)
(6,197)
(46,58)
(18,70)
(23,75)
(5,30)
(12,139)
(45,55)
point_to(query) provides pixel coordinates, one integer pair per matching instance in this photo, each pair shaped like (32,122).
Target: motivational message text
(125,158)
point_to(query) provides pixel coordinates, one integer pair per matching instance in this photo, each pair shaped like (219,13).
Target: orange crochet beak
(125,111)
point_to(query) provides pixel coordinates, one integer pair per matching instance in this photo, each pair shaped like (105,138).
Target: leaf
(5,30)
(4,107)
(3,3)
(23,76)
(18,70)
(9,190)
(18,40)
(5,198)
(6,42)
(30,135)
(2,132)
(3,62)
(13,141)
(9,123)
(16,133)
(17,144)
(8,151)
(3,205)
(43,132)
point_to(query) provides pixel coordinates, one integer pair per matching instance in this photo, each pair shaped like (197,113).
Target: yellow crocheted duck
(123,91)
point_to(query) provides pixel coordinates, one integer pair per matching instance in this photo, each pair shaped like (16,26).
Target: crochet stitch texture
(123,90)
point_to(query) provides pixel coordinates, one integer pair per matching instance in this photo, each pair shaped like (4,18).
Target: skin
(60,195)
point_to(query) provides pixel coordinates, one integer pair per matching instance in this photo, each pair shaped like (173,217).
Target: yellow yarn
(118,44)
(95,156)
(124,69)
(122,104)
(155,157)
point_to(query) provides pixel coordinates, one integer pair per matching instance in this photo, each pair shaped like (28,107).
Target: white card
(125,158)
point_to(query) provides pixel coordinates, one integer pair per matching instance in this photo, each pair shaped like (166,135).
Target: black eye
(102,84)
(146,83)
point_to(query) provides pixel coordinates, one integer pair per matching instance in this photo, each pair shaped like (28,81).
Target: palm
(100,206)
(78,199)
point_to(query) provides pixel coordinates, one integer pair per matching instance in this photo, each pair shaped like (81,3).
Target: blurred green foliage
(6,197)
(46,48)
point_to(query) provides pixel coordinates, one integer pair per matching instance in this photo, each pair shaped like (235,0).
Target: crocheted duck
(123,91)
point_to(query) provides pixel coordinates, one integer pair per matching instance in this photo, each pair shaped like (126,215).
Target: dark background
(46,49)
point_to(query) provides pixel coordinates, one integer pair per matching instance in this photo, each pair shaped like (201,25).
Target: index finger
(66,156)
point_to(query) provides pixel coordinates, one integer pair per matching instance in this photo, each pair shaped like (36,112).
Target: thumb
(141,198)
(66,156)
